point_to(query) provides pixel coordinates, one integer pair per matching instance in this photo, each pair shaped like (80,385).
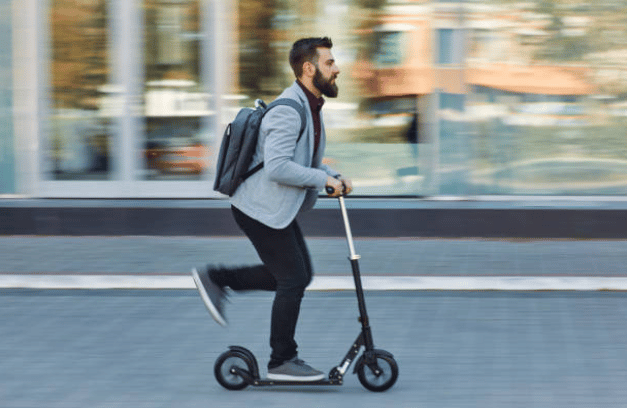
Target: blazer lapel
(323,141)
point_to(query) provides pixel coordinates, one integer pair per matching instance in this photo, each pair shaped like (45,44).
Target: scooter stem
(349,234)
(365,338)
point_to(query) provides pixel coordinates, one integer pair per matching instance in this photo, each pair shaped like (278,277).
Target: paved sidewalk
(152,349)
(398,257)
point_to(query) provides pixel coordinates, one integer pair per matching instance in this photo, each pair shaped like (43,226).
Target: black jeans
(286,269)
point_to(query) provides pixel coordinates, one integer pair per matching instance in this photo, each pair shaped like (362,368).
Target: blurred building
(117,98)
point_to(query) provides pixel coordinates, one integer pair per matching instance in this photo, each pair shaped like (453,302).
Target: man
(266,204)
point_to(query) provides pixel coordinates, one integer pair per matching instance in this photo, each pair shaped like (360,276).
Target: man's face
(326,73)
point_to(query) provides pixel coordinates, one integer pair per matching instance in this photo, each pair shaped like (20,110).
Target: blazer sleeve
(282,162)
(330,171)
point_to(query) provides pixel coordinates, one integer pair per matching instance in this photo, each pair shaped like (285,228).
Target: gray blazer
(291,178)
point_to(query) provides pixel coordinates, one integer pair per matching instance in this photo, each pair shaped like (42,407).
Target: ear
(309,69)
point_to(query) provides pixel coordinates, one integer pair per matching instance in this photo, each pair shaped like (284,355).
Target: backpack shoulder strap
(303,122)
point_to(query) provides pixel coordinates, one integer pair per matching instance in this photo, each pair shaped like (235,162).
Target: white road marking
(327,282)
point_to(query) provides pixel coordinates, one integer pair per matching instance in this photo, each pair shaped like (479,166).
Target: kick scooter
(376,369)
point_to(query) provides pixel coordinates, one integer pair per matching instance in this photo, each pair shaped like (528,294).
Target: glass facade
(82,97)
(452,98)
(546,98)
(7,146)
(175,98)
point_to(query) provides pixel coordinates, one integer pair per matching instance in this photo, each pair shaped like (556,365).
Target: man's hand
(336,185)
(348,185)
(341,186)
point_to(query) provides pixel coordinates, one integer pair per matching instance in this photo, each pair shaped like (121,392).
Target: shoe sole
(285,377)
(206,300)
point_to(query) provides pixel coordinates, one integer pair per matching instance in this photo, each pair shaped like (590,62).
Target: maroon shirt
(315,104)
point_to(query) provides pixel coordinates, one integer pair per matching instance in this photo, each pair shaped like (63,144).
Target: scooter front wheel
(377,371)
(228,367)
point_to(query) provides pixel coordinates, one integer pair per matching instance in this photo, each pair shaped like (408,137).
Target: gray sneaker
(212,295)
(295,370)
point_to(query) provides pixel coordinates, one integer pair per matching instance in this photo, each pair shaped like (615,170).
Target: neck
(310,86)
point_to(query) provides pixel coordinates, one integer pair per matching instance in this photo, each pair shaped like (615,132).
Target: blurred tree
(79,52)
(562,44)
(257,57)
(371,4)
(96,70)
(545,7)
(162,35)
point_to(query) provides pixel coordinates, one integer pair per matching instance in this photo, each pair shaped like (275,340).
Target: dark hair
(306,49)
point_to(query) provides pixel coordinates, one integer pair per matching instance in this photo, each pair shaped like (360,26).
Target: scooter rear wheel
(225,373)
(378,372)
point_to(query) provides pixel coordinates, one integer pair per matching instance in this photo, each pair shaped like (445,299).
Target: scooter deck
(266,382)
(256,381)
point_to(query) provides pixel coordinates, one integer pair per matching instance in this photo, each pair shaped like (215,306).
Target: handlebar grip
(330,190)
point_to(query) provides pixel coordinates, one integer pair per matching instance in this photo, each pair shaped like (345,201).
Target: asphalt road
(156,348)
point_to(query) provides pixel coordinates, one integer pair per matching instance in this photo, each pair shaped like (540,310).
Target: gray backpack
(240,141)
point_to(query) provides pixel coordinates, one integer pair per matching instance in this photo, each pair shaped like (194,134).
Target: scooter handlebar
(330,190)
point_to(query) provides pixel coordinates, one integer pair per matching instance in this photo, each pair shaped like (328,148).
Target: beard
(324,85)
